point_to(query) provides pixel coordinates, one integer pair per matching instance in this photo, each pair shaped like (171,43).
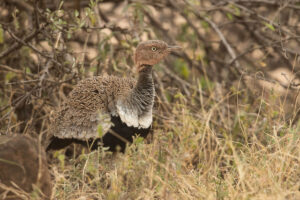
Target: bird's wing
(84,115)
(127,113)
(124,107)
(81,124)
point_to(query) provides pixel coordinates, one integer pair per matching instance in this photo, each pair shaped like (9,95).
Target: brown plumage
(23,166)
(89,106)
(112,104)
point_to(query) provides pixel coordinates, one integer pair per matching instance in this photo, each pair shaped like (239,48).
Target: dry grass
(189,159)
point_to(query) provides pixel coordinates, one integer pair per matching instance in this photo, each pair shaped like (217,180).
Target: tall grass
(193,154)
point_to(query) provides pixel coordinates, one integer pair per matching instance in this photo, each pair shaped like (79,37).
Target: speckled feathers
(89,107)
(94,101)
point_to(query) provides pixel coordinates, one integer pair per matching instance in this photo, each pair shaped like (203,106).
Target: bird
(108,109)
(23,164)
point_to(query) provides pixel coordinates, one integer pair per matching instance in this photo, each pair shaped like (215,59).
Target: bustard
(117,107)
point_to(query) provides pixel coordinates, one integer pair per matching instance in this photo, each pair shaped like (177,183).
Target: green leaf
(237,11)
(28,71)
(60,5)
(182,68)
(69,35)
(1,35)
(15,19)
(61,158)
(93,68)
(100,130)
(205,83)
(92,18)
(178,95)
(270,26)
(138,140)
(87,11)
(91,168)
(81,24)
(93,3)
(76,13)
(9,76)
(204,24)
(229,16)
(168,96)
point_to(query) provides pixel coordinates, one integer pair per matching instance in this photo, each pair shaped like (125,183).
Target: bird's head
(152,52)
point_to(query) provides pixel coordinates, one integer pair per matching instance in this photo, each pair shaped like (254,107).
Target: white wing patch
(146,120)
(130,116)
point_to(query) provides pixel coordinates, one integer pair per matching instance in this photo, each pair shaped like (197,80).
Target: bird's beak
(174,48)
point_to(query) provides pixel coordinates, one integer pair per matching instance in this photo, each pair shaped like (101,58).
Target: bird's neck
(143,93)
(145,80)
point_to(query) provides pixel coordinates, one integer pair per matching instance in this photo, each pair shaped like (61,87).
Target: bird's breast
(130,115)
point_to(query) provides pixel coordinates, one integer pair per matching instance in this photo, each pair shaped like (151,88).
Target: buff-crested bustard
(119,107)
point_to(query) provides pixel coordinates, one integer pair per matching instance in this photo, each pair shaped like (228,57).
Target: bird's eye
(153,48)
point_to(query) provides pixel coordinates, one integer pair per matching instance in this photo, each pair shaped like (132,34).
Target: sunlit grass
(192,156)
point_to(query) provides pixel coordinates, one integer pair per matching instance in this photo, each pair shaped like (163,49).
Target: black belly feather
(60,143)
(124,131)
(114,143)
